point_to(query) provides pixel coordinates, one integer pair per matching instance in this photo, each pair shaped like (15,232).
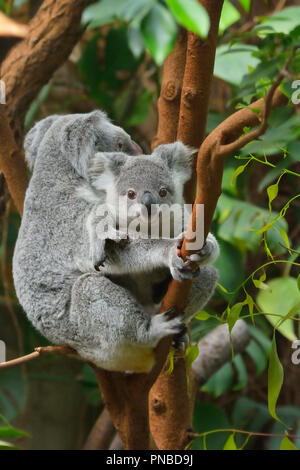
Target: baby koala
(81,283)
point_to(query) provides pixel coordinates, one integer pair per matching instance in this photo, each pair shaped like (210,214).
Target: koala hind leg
(112,329)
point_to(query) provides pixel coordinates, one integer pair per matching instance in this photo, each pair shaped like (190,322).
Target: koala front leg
(112,329)
(143,255)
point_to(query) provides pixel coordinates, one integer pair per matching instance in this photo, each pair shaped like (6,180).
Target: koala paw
(181,270)
(208,253)
(181,340)
(165,324)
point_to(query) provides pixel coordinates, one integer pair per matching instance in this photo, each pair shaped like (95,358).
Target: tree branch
(102,433)
(52,34)
(197,82)
(169,101)
(215,349)
(12,163)
(38,352)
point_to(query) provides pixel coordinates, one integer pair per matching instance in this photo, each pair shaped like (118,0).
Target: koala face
(111,138)
(138,183)
(145,182)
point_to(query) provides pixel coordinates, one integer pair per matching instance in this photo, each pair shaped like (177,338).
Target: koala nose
(147,200)
(137,149)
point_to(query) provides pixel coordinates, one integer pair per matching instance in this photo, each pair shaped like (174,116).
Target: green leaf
(7,445)
(159,32)
(246,4)
(285,237)
(220,382)
(191,355)
(249,301)
(135,41)
(208,417)
(234,314)
(281,298)
(239,228)
(259,283)
(229,15)
(283,21)
(272,194)
(238,171)
(258,356)
(102,12)
(192,15)
(9,432)
(230,443)
(287,444)
(233,62)
(275,379)
(171,361)
(106,11)
(202,316)
(241,370)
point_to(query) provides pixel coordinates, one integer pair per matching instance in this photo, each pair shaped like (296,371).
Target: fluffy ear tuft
(78,138)
(34,138)
(105,168)
(178,158)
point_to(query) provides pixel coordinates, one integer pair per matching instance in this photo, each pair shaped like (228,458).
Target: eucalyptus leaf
(275,379)
(230,443)
(229,15)
(233,62)
(283,21)
(281,297)
(159,32)
(287,444)
(191,15)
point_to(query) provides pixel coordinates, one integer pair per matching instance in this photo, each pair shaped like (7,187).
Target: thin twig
(39,351)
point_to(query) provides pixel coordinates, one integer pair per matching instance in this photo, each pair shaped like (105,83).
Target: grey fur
(106,315)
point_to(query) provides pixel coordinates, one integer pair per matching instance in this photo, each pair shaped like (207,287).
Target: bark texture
(197,81)
(12,163)
(169,101)
(52,34)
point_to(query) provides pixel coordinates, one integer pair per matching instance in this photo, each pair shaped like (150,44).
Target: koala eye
(120,145)
(131,194)
(163,192)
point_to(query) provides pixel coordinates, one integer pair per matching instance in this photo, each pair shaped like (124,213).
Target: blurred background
(117,67)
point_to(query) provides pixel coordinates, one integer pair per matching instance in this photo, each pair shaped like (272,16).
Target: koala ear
(105,168)
(78,138)
(178,158)
(34,138)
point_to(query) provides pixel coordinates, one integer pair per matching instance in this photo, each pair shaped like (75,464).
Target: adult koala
(106,315)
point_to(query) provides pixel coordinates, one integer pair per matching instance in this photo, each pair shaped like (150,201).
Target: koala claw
(181,340)
(165,324)
(208,253)
(181,270)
